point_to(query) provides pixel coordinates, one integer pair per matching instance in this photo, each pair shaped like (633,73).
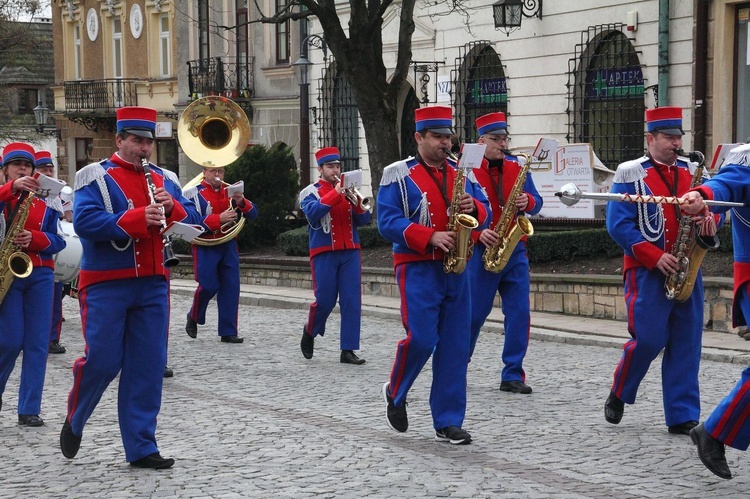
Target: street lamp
(303,63)
(509,13)
(41,115)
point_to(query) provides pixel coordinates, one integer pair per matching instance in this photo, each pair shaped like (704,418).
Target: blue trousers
(124,325)
(25,315)
(217,270)
(729,423)
(655,324)
(57,298)
(513,284)
(337,275)
(434,312)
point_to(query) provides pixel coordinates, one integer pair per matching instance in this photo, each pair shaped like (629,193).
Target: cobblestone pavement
(258,420)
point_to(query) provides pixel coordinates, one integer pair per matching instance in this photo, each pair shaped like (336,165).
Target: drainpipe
(701,75)
(662,98)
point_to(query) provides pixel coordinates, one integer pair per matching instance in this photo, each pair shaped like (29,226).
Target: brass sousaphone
(213,132)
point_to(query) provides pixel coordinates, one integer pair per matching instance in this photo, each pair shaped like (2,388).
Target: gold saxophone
(462,224)
(13,261)
(690,247)
(496,257)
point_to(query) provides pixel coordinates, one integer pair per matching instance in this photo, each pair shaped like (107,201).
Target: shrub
(272,183)
(296,243)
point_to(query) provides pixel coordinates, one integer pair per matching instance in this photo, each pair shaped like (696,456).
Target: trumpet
(170,259)
(355,198)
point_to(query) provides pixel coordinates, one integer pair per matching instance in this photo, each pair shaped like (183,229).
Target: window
(605,94)
(117,68)
(84,148)
(166,155)
(480,84)
(165,50)
(742,72)
(282,36)
(340,125)
(28,98)
(243,81)
(77,50)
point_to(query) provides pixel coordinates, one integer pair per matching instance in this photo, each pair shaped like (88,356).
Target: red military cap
(18,150)
(436,119)
(42,158)
(328,155)
(139,121)
(667,119)
(492,123)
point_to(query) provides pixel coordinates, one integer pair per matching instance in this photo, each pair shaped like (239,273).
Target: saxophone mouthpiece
(450,154)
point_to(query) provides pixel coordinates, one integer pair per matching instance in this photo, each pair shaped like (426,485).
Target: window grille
(606,95)
(338,122)
(480,87)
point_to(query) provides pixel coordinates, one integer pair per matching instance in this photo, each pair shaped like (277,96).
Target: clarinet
(170,259)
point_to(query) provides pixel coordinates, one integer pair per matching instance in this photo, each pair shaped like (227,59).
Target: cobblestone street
(258,420)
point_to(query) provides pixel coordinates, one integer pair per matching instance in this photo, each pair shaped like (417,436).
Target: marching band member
(334,256)
(413,203)
(26,309)
(647,234)
(728,423)
(45,166)
(123,291)
(217,267)
(498,176)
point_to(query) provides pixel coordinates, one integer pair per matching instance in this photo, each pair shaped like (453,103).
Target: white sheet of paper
(545,149)
(236,187)
(49,186)
(352,178)
(179,230)
(471,155)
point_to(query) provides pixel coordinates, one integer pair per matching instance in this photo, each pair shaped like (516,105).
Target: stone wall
(596,296)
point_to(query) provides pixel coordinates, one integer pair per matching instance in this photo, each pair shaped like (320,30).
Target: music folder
(186,232)
(471,155)
(236,187)
(48,186)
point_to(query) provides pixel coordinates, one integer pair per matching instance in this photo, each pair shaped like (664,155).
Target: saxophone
(13,261)
(690,247)
(462,224)
(496,257)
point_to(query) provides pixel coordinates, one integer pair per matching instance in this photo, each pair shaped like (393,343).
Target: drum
(68,261)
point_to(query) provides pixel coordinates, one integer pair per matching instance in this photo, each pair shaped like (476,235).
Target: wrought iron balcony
(100,95)
(227,76)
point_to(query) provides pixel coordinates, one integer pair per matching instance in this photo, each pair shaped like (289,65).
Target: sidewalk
(560,328)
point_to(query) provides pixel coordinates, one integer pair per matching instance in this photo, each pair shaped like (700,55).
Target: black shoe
(56,347)
(515,386)
(30,420)
(395,416)
(153,461)
(614,408)
(168,372)
(711,452)
(682,428)
(232,339)
(349,357)
(69,442)
(454,435)
(191,327)
(307,344)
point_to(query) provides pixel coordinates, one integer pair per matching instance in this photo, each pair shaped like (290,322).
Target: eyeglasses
(498,138)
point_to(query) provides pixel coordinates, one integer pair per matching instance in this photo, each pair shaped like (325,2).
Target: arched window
(479,80)
(339,125)
(607,102)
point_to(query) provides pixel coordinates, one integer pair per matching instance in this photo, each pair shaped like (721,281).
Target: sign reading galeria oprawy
(554,165)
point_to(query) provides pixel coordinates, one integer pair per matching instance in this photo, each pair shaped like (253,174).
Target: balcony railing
(100,95)
(227,76)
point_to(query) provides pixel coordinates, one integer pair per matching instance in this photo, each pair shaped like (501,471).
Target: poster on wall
(554,165)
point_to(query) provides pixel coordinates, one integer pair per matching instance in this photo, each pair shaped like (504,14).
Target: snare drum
(68,261)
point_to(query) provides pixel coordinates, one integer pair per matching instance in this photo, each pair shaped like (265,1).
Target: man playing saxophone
(413,212)
(647,234)
(504,181)
(26,299)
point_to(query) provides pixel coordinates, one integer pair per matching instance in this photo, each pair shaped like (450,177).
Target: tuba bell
(214,131)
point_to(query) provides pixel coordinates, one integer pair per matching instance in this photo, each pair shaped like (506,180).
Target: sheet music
(352,178)
(48,186)
(471,155)
(186,232)
(236,187)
